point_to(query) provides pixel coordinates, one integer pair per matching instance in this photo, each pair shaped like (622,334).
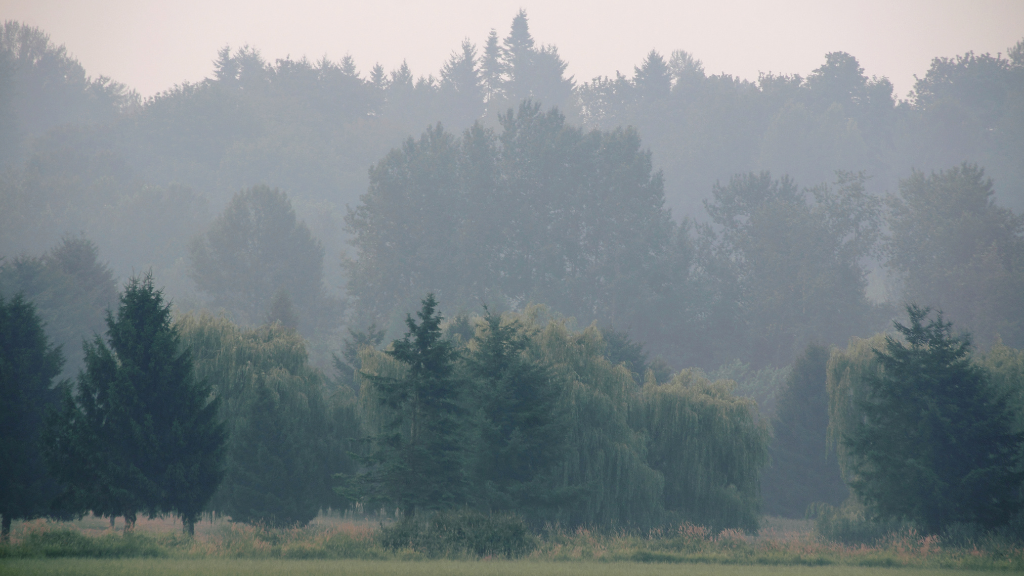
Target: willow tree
(846,373)
(709,445)
(286,439)
(605,475)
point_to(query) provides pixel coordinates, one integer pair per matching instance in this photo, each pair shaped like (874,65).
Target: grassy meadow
(336,545)
(246,567)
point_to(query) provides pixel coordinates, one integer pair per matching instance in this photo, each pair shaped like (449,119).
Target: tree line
(502,413)
(93,157)
(744,266)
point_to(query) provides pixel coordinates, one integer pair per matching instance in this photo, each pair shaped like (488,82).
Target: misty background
(734,222)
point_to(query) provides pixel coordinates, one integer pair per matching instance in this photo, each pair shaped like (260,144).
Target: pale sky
(152,46)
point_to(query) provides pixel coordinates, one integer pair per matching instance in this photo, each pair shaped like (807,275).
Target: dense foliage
(257,260)
(138,432)
(702,229)
(555,432)
(803,470)
(416,459)
(541,212)
(29,363)
(70,289)
(927,437)
(286,427)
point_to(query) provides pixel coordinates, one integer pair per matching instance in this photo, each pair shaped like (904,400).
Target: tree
(417,457)
(256,248)
(283,446)
(49,88)
(139,432)
(348,364)
(519,70)
(954,248)
(803,469)
(461,87)
(70,289)
(605,477)
(787,272)
(936,442)
(542,212)
(710,447)
(29,363)
(522,423)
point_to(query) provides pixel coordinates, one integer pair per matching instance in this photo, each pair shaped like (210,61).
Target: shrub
(461,532)
(849,524)
(73,544)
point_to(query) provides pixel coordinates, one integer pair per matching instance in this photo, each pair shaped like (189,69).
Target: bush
(849,524)
(73,544)
(461,532)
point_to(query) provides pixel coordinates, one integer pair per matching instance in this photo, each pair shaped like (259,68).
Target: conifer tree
(523,427)
(936,443)
(139,433)
(416,460)
(491,67)
(28,365)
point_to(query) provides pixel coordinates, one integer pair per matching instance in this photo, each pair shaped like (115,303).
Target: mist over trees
(654,298)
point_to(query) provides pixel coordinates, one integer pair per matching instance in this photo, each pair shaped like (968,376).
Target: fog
(647,214)
(152,46)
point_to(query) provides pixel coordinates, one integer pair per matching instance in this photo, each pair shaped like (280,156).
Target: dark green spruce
(416,461)
(139,433)
(938,444)
(29,363)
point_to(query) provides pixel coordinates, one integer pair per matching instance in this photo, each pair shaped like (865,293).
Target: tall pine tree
(28,365)
(523,427)
(417,459)
(139,433)
(935,442)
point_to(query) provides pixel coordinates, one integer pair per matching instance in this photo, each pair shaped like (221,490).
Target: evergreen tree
(348,364)
(530,73)
(653,79)
(936,443)
(139,433)
(523,425)
(28,366)
(491,68)
(461,89)
(416,460)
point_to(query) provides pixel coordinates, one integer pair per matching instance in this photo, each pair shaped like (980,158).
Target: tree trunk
(188,525)
(112,518)
(129,522)
(5,531)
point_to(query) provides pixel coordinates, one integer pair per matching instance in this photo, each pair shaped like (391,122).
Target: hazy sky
(153,45)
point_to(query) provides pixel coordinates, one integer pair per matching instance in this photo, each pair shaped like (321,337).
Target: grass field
(343,546)
(222,567)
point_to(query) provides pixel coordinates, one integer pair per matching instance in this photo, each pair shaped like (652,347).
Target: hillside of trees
(625,301)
